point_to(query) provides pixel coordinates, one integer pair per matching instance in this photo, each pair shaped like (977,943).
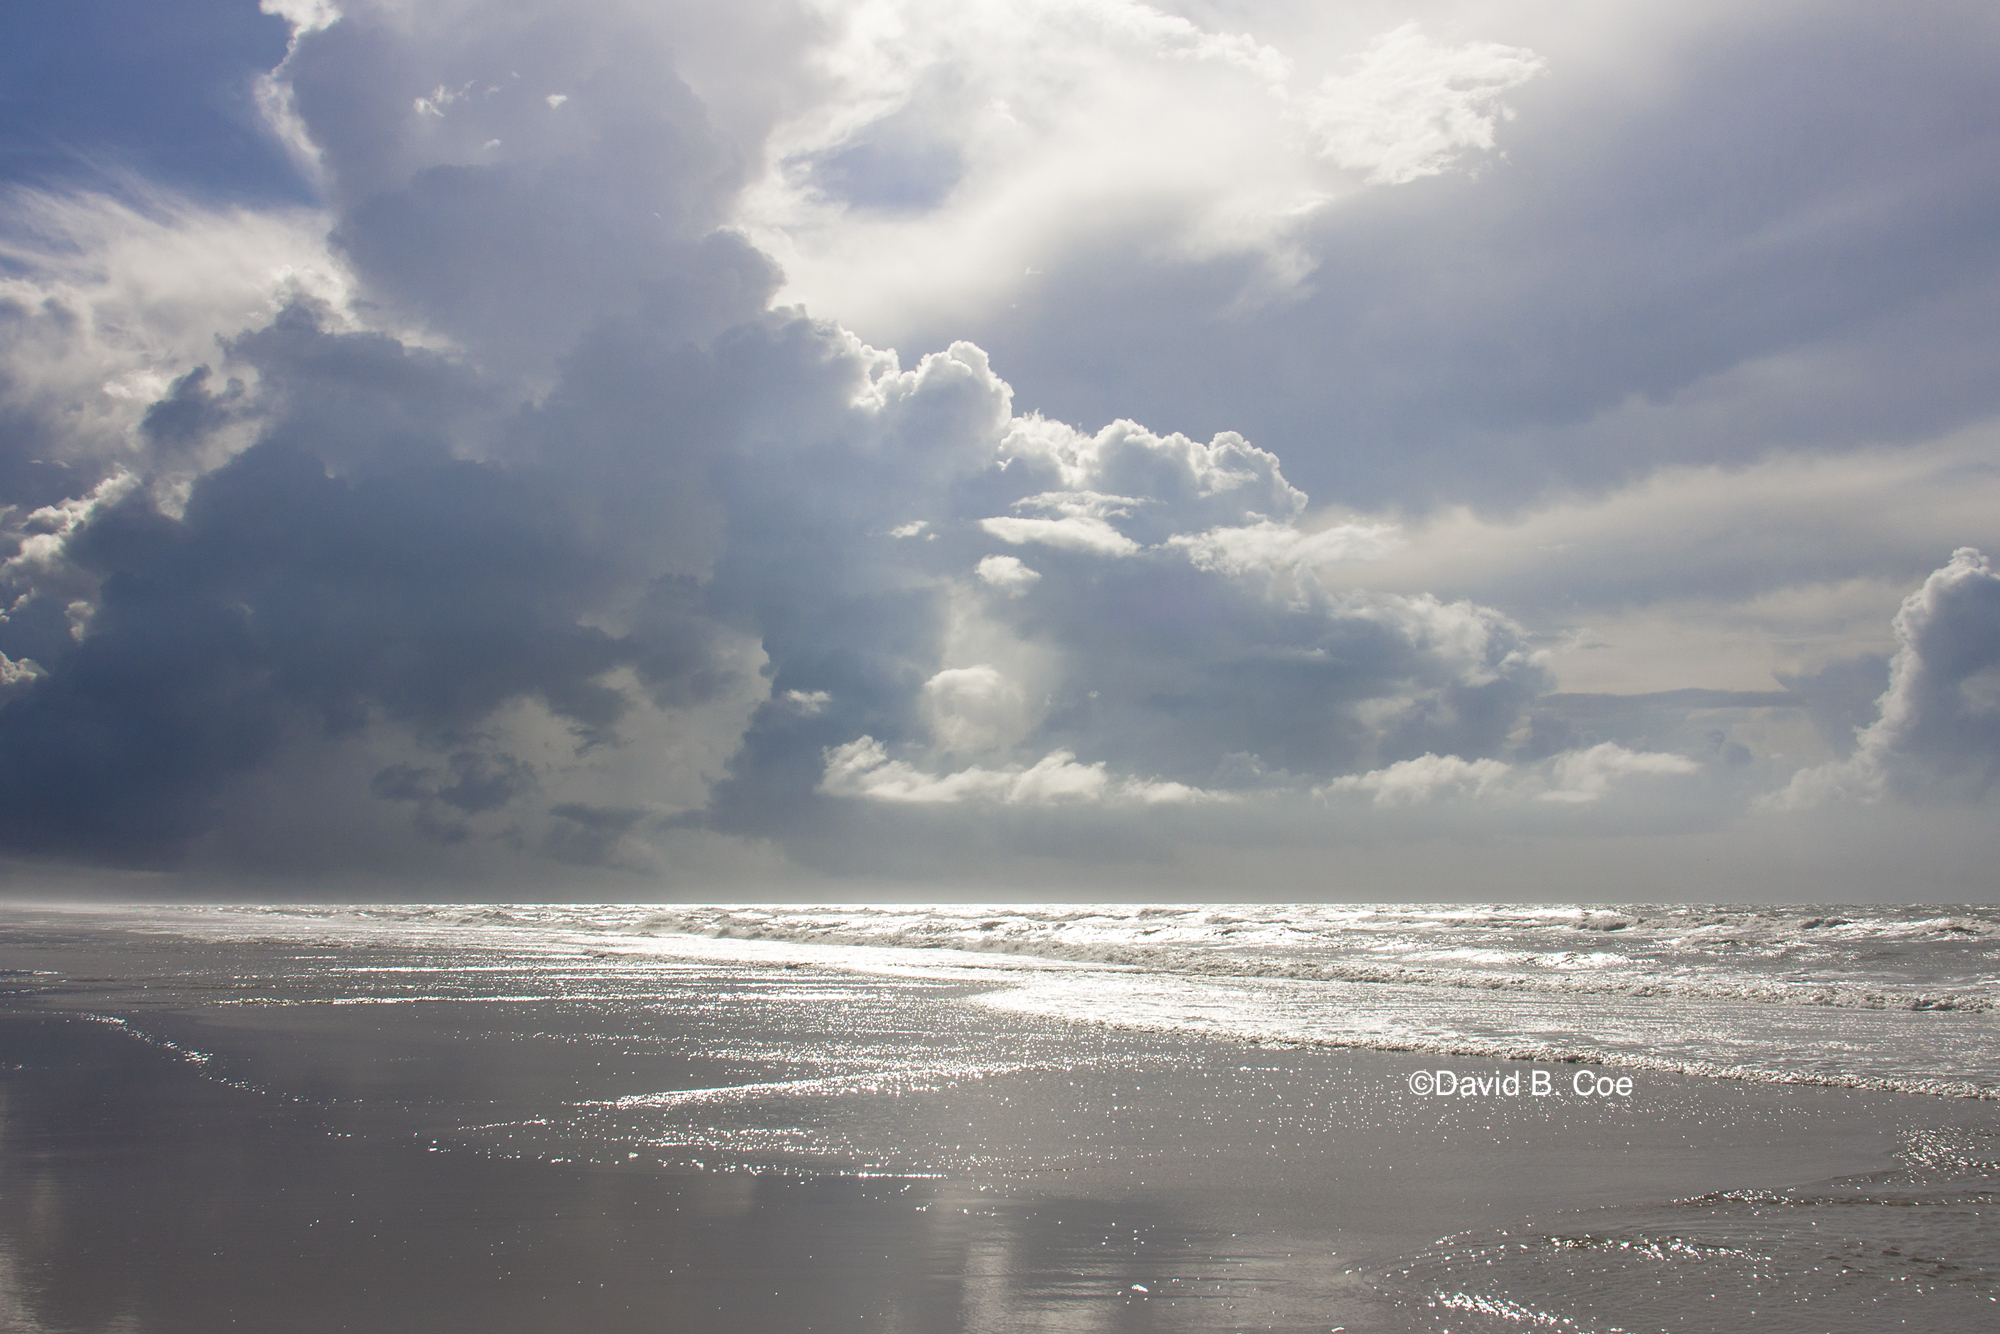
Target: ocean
(1880,997)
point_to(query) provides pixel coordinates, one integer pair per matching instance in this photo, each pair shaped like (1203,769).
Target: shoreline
(1746,1021)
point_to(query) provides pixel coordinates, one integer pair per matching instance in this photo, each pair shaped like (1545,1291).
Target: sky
(854,449)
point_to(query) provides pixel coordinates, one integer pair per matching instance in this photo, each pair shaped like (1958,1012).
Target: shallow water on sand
(1866,997)
(900,1141)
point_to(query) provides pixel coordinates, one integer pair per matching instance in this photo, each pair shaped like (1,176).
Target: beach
(1038,667)
(331,1120)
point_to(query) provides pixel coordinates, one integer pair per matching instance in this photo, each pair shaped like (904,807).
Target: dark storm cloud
(512,184)
(360,402)
(344,572)
(286,598)
(191,411)
(470,783)
(352,573)
(405,546)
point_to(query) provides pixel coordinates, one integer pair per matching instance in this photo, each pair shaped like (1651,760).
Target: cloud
(1583,776)
(1937,732)
(1007,573)
(16,673)
(496,508)
(862,768)
(471,783)
(949,152)
(1073,532)
(1116,644)
(1411,107)
(105,304)
(345,574)
(1425,777)
(1576,777)
(1172,481)
(1159,484)
(974,709)
(1842,698)
(467,209)
(1272,546)
(1084,525)
(284,595)
(303,15)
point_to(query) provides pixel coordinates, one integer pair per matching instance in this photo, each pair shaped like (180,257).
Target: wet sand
(482,1163)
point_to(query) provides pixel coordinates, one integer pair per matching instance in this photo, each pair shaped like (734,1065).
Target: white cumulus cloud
(1073,532)
(1274,546)
(862,768)
(1408,782)
(1938,727)
(1586,775)
(1007,573)
(1577,777)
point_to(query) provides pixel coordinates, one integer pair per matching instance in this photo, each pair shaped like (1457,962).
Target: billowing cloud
(475,209)
(951,151)
(1938,724)
(1124,648)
